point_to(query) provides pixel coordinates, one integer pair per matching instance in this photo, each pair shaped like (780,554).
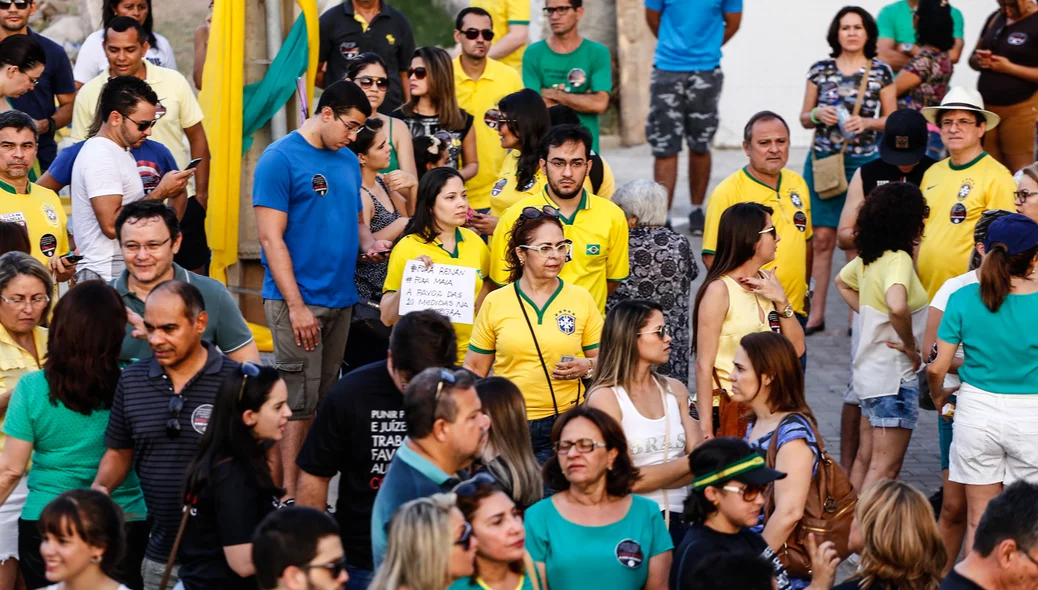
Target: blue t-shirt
(39,103)
(153,160)
(691,33)
(320,191)
(1001,348)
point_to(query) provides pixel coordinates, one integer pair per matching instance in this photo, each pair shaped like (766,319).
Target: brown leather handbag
(731,415)
(828,513)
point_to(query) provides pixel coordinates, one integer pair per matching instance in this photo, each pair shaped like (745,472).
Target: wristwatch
(907,48)
(788,312)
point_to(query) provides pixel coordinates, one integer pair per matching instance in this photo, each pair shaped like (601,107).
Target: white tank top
(645,440)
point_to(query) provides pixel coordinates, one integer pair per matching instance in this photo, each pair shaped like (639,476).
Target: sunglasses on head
(473,34)
(176,405)
(494,118)
(445,377)
(419,73)
(248,369)
(334,568)
(468,487)
(18,5)
(366,82)
(535,213)
(465,540)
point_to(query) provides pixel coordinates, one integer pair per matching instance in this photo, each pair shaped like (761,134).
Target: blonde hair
(420,542)
(618,355)
(518,471)
(1031,171)
(903,547)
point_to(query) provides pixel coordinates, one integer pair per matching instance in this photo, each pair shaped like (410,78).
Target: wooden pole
(636,46)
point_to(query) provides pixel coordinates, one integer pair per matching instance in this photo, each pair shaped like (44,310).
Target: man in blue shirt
(686,89)
(306,197)
(56,81)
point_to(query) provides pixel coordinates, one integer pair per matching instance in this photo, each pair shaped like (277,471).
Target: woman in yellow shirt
(737,299)
(436,236)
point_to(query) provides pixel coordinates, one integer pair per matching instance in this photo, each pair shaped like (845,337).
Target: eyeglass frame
(1018,200)
(30,301)
(379,82)
(176,405)
(754,490)
(248,369)
(25,4)
(545,250)
(557,446)
(142,126)
(550,11)
(493,119)
(465,540)
(472,33)
(445,376)
(769,230)
(469,486)
(150,247)
(335,568)
(663,331)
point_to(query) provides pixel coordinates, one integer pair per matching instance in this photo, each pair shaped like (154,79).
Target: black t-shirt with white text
(701,542)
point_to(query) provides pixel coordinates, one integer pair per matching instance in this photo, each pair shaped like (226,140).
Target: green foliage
(431,23)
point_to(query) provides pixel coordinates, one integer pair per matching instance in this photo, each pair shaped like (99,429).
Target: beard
(561,193)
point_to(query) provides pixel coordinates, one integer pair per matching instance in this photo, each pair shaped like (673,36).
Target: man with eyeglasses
(299,549)
(568,69)
(160,410)
(306,198)
(360,26)
(178,115)
(598,228)
(50,101)
(105,175)
(479,83)
(960,187)
(446,431)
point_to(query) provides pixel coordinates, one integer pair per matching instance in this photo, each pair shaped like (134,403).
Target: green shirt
(895,22)
(67,448)
(585,70)
(475,583)
(226,328)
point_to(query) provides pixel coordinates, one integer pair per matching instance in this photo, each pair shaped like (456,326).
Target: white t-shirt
(102,168)
(940,302)
(92,60)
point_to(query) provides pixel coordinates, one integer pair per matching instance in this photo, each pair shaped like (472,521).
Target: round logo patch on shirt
(800,220)
(498,187)
(566,321)
(1017,38)
(629,553)
(774,322)
(576,77)
(958,213)
(795,199)
(349,49)
(320,184)
(529,185)
(50,213)
(964,190)
(48,244)
(200,417)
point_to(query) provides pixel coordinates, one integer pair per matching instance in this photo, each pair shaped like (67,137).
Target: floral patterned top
(934,68)
(834,88)
(662,270)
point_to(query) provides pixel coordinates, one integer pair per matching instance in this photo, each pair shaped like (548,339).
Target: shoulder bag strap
(862,88)
(666,447)
(176,546)
(544,366)
(531,571)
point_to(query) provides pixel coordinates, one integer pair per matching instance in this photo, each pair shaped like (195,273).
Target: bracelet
(813,119)
(590,370)
(52,126)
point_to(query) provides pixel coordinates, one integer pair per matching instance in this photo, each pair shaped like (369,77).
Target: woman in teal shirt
(58,416)
(594,533)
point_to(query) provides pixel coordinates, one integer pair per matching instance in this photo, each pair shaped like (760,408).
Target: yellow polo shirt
(506,192)
(505,13)
(568,324)
(40,212)
(598,230)
(477,97)
(470,251)
(957,195)
(608,182)
(792,220)
(15,361)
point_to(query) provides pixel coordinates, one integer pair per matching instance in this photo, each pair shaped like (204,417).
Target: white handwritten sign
(445,288)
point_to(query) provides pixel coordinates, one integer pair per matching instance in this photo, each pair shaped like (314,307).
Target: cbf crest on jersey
(566,321)
(964,190)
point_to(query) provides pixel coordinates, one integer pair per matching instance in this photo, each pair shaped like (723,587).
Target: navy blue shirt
(153,160)
(39,102)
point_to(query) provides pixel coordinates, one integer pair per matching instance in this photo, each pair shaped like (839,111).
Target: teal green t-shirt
(585,70)
(475,584)
(895,21)
(614,556)
(67,448)
(1001,348)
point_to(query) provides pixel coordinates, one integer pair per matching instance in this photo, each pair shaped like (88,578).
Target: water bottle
(843,114)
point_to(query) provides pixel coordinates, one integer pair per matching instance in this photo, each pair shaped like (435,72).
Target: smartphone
(71,258)
(193,164)
(567,358)
(375,253)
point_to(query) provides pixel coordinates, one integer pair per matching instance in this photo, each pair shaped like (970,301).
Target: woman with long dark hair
(436,235)
(996,410)
(508,455)
(91,60)
(737,298)
(229,486)
(522,121)
(434,107)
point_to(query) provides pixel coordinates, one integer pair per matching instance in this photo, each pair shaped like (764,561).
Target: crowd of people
(575,416)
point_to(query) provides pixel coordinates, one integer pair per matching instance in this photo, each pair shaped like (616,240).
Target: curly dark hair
(871,30)
(520,235)
(891,218)
(621,478)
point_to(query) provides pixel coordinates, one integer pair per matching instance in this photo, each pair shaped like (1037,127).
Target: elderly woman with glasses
(662,268)
(1026,195)
(595,533)
(58,416)
(539,331)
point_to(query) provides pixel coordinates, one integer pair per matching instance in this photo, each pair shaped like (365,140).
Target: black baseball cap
(904,138)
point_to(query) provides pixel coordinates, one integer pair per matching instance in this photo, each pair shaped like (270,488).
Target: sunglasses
(469,487)
(769,230)
(142,126)
(248,369)
(176,405)
(419,73)
(18,5)
(663,331)
(1020,196)
(473,34)
(366,82)
(334,568)
(535,213)
(494,118)
(465,540)
(445,377)
(749,493)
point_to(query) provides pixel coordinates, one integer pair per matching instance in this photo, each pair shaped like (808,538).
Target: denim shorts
(894,411)
(944,434)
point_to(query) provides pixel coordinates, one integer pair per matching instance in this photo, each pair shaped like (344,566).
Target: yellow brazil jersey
(470,251)
(598,230)
(477,97)
(15,361)
(41,214)
(506,192)
(957,195)
(568,324)
(792,220)
(504,14)
(608,182)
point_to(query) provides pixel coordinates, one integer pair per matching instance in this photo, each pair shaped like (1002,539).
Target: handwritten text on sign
(445,288)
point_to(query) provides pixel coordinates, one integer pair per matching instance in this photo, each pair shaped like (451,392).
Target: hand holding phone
(193,164)
(71,258)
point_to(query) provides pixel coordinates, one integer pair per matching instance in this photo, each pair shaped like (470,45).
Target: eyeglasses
(350,128)
(663,331)
(248,369)
(584,445)
(22,5)
(151,247)
(469,486)
(419,73)
(32,81)
(36,301)
(1028,556)
(960,122)
(445,377)
(561,10)
(366,82)
(535,213)
(560,164)
(176,405)
(1020,196)
(561,249)
(465,540)
(494,118)
(769,230)
(334,568)
(749,493)
(142,126)
(473,34)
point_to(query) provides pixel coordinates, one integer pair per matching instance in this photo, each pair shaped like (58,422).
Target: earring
(95,559)
(522,261)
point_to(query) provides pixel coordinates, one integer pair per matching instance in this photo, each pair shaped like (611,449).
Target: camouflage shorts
(683,104)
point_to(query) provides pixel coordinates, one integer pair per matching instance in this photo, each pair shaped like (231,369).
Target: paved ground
(828,353)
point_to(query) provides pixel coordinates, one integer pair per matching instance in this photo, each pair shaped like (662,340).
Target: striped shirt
(140,411)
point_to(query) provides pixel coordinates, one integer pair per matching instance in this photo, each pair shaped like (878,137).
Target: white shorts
(9,514)
(994,438)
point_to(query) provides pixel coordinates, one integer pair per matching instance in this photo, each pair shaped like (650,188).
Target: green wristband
(813,119)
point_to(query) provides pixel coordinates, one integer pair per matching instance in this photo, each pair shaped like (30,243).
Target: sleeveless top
(645,441)
(747,314)
(370,276)
(394,164)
